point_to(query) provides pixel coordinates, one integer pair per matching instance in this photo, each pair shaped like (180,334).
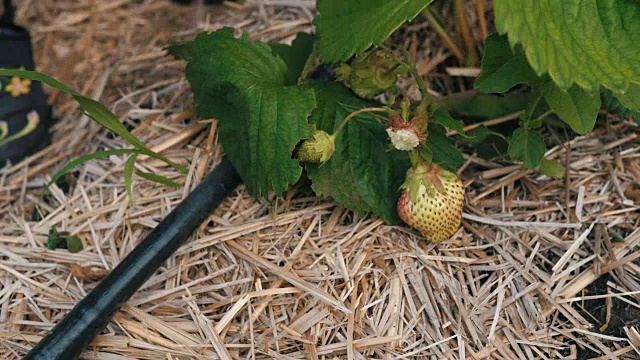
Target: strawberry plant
(327,107)
(281,117)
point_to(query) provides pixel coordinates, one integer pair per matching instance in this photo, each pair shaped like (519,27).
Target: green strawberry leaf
(552,168)
(363,174)
(182,50)
(443,148)
(631,98)
(261,118)
(295,56)
(488,143)
(442,117)
(588,43)
(479,106)
(576,107)
(502,66)
(527,146)
(614,104)
(54,239)
(348,27)
(74,244)
(63,240)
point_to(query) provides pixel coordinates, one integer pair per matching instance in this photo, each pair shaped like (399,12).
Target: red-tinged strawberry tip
(435,212)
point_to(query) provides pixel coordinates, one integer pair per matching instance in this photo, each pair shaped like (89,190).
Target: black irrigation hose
(85,321)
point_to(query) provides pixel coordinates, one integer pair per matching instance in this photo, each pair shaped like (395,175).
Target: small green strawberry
(372,73)
(318,149)
(432,202)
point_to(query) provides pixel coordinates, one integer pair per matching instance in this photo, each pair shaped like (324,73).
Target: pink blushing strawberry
(432,202)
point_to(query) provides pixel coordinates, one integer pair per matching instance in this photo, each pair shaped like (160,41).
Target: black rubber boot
(25,115)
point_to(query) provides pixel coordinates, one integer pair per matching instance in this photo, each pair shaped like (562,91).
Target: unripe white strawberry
(432,202)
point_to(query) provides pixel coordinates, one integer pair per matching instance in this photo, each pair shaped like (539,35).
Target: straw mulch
(298,277)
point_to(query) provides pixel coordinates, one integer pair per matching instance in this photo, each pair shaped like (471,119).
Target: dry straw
(298,277)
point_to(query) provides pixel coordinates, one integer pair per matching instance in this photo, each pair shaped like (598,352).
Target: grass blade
(158,178)
(95,110)
(128,174)
(84,159)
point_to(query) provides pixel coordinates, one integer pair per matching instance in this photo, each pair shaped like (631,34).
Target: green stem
(414,157)
(357,112)
(411,66)
(531,107)
(539,118)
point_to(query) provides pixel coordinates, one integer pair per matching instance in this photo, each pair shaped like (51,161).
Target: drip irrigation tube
(85,321)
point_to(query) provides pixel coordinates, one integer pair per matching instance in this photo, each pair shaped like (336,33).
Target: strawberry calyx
(425,178)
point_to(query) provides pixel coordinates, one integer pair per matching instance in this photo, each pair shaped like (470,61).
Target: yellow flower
(18,87)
